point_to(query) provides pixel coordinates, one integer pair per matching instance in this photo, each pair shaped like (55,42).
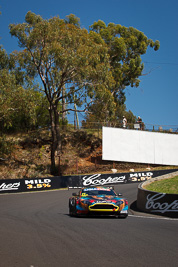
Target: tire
(123,216)
(72,207)
(70,213)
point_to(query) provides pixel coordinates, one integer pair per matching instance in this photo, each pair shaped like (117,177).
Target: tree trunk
(57,131)
(63,107)
(56,138)
(53,167)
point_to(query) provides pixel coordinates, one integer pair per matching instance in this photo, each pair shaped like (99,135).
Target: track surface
(36,231)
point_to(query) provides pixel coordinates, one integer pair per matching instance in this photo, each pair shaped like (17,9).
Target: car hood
(102,199)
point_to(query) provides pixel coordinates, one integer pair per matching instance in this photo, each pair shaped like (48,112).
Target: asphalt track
(36,231)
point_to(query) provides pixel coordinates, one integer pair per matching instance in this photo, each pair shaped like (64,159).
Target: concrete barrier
(157,203)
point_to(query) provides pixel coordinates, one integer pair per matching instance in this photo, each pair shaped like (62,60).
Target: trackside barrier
(57,182)
(157,203)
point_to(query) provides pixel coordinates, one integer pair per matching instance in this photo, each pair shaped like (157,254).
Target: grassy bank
(168,186)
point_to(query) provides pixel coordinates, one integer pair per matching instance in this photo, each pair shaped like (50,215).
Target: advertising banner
(139,146)
(157,203)
(120,178)
(49,183)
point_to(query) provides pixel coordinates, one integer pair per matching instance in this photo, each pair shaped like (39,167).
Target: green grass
(168,186)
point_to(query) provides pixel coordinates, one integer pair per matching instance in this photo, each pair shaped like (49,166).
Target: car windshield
(95,192)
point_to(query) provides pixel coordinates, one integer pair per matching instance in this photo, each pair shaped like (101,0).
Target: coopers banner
(157,203)
(120,178)
(49,183)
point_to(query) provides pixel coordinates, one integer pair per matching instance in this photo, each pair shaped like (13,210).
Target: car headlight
(118,203)
(85,202)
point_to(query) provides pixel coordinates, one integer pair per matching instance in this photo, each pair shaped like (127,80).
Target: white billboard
(139,146)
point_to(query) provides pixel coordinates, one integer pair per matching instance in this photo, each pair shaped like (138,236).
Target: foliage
(19,108)
(6,147)
(125,47)
(21,105)
(79,68)
(131,118)
(4,60)
(100,116)
(63,54)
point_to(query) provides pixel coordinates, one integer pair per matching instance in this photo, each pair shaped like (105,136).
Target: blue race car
(98,201)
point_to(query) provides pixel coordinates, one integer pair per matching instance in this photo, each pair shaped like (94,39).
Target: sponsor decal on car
(102,201)
(96,188)
(123,211)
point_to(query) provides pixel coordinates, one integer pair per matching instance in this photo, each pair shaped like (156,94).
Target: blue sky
(156,99)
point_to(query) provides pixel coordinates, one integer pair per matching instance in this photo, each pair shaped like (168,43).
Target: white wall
(139,146)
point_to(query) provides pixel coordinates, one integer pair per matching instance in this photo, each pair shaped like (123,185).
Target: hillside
(28,156)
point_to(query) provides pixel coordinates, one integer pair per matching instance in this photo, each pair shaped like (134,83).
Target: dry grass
(81,154)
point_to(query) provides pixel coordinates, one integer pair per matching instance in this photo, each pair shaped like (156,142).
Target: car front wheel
(72,207)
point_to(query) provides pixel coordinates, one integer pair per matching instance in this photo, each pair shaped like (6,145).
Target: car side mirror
(119,194)
(74,194)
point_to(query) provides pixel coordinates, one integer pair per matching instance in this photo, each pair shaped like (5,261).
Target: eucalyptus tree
(125,45)
(63,55)
(20,101)
(8,89)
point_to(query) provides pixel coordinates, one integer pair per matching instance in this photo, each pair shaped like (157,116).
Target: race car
(98,201)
